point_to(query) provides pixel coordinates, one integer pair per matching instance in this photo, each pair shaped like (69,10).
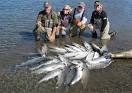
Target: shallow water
(17,18)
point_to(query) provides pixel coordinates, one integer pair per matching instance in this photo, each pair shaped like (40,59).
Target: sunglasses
(80,7)
(66,9)
(46,7)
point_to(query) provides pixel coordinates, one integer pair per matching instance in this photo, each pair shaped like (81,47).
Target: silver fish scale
(46,63)
(49,68)
(31,62)
(51,75)
(79,46)
(87,46)
(79,73)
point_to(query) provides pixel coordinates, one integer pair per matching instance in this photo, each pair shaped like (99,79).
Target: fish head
(107,59)
(63,60)
(94,46)
(44,48)
(78,63)
(104,49)
(87,44)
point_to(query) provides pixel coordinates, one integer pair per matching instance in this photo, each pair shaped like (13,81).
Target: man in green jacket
(47,22)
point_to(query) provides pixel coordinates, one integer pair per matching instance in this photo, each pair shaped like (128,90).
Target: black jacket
(99,15)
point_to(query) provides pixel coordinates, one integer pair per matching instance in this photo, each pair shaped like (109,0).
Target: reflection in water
(105,42)
(59,42)
(62,41)
(38,44)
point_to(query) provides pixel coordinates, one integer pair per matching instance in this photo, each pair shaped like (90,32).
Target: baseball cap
(97,1)
(82,4)
(47,4)
(99,4)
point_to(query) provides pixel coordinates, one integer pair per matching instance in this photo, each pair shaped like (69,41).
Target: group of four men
(75,22)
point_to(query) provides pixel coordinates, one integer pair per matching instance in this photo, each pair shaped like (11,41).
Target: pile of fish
(69,64)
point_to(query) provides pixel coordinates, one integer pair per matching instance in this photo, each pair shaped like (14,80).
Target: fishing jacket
(48,21)
(100,19)
(65,19)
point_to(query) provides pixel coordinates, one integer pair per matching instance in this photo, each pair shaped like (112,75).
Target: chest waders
(47,23)
(74,27)
(64,20)
(97,25)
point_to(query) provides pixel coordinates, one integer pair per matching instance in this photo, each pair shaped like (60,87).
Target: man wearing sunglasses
(79,20)
(47,22)
(64,20)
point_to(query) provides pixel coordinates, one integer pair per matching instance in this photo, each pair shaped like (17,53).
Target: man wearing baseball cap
(78,20)
(99,20)
(46,22)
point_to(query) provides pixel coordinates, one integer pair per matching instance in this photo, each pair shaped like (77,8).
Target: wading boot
(94,34)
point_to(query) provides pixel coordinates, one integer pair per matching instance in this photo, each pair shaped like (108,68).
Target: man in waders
(47,23)
(64,20)
(79,20)
(100,21)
